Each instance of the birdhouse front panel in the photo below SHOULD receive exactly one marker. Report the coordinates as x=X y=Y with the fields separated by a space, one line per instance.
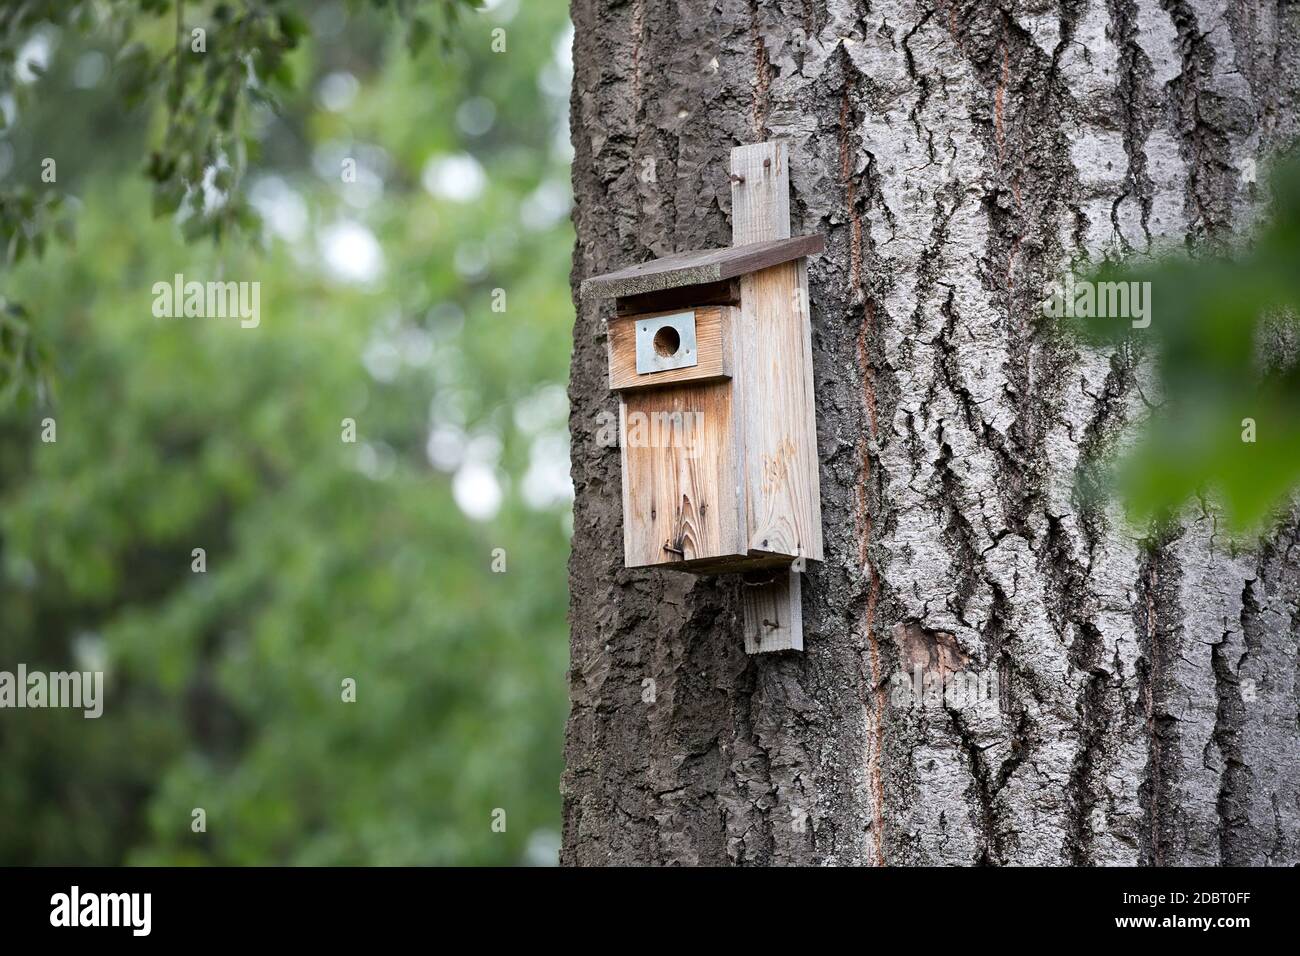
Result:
x=654 y=349
x=683 y=491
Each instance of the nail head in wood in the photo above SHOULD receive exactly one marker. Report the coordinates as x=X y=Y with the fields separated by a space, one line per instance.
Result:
x=773 y=612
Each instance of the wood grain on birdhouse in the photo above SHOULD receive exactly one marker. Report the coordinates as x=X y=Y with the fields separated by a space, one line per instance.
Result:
x=775 y=397
x=682 y=487
x=714 y=348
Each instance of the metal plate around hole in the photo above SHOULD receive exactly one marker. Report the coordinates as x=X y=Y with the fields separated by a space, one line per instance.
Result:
x=648 y=358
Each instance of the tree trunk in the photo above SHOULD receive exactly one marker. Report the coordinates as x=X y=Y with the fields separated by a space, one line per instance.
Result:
x=956 y=156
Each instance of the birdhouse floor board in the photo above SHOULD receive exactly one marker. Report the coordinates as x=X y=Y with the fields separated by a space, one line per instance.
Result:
x=726 y=564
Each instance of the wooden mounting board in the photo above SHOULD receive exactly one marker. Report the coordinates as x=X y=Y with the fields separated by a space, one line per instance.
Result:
x=783 y=494
x=773 y=611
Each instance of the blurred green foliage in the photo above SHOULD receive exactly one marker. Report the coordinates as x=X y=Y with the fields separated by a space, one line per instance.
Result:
x=325 y=559
x=210 y=91
x=1225 y=346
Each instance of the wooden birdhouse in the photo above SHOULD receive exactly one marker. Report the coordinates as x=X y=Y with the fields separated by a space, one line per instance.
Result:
x=711 y=355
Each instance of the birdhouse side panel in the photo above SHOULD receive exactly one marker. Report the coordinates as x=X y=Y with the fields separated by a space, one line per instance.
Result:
x=775 y=401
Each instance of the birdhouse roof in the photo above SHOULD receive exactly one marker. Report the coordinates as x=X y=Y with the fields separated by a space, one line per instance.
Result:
x=699 y=267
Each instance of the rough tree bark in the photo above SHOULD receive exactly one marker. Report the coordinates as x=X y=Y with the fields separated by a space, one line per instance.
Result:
x=956 y=155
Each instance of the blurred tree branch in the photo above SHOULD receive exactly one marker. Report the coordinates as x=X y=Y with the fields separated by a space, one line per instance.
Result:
x=205 y=84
